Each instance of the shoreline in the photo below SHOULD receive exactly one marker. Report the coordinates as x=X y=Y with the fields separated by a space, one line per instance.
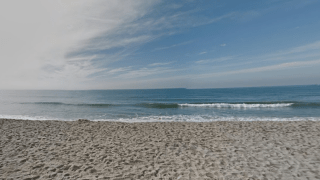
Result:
x=83 y=149
x=180 y=119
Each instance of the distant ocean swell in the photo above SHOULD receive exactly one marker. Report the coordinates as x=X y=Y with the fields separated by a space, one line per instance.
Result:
x=243 y=105
x=69 y=104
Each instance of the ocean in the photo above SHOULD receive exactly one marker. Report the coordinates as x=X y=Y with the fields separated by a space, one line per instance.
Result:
x=285 y=103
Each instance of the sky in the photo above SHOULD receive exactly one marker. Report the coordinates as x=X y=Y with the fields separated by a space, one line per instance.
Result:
x=138 y=44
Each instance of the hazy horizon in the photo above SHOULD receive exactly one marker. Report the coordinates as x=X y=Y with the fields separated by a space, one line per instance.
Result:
x=293 y=85
x=158 y=44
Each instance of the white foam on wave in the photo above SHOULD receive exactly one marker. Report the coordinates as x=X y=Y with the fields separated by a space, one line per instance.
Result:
x=172 y=118
x=243 y=105
x=202 y=118
x=26 y=117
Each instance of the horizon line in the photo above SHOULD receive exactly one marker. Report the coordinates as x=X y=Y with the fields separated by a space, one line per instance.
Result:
x=155 y=88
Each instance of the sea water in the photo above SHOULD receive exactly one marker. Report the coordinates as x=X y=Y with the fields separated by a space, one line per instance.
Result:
x=286 y=103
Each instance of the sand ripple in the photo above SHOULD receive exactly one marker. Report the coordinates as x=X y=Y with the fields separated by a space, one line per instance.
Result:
x=111 y=150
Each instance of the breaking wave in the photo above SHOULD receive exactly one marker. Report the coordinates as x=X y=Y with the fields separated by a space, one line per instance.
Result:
x=173 y=118
x=239 y=105
x=242 y=105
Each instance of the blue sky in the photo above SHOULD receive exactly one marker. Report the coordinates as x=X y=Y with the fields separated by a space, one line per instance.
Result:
x=130 y=44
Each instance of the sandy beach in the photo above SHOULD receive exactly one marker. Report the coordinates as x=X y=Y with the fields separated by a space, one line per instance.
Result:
x=112 y=150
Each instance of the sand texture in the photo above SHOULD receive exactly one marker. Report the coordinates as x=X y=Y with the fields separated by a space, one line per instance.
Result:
x=112 y=150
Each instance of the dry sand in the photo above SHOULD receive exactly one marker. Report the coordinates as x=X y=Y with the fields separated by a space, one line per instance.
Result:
x=113 y=150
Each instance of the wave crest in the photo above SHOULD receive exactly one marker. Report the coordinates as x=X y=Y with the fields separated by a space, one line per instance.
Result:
x=172 y=118
x=239 y=105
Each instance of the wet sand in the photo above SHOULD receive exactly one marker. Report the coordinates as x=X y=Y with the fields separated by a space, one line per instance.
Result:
x=112 y=150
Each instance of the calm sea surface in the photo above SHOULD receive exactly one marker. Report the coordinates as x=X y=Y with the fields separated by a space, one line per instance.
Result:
x=286 y=103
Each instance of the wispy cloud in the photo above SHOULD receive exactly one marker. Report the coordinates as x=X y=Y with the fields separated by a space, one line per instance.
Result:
x=62 y=37
x=172 y=46
x=304 y=52
x=216 y=19
x=172 y=22
x=66 y=37
x=144 y=72
x=263 y=68
x=296 y=57
x=160 y=64
x=204 y=52
x=105 y=43
x=300 y=49
x=133 y=72
x=65 y=44
x=119 y=70
x=205 y=61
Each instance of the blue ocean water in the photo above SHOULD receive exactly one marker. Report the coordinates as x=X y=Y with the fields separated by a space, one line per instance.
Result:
x=286 y=103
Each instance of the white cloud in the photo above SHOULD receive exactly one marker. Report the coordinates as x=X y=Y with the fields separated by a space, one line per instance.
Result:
x=222 y=45
x=40 y=34
x=57 y=44
x=63 y=44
